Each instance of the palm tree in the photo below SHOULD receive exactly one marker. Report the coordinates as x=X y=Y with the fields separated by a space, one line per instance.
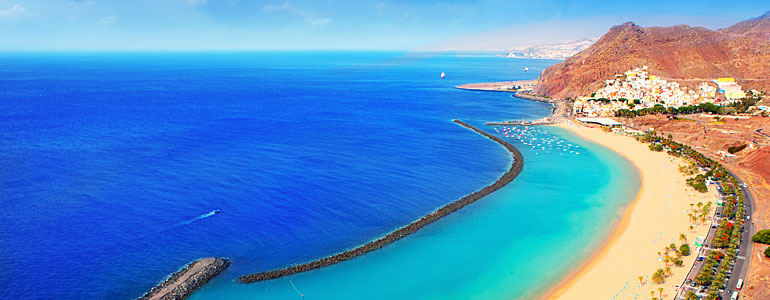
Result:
x=668 y=271
x=660 y=292
x=693 y=218
x=641 y=278
x=652 y=293
x=682 y=237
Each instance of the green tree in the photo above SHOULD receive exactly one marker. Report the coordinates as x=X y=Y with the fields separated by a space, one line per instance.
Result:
x=691 y=296
x=659 y=276
x=685 y=249
x=683 y=237
x=767 y=252
x=660 y=292
x=762 y=236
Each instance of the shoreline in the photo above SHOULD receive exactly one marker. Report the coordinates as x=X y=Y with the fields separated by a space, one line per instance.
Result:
x=595 y=276
x=517 y=164
x=603 y=246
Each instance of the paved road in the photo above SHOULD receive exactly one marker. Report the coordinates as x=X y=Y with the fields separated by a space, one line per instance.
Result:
x=741 y=268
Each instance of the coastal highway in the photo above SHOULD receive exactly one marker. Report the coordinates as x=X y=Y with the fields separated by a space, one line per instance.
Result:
x=741 y=268
x=746 y=249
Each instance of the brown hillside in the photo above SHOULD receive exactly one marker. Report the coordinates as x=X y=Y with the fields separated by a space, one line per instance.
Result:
x=679 y=52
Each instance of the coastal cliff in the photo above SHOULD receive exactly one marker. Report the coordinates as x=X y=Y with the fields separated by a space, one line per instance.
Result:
x=677 y=52
x=185 y=281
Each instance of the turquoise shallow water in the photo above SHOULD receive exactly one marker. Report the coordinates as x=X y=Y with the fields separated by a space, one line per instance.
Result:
x=514 y=244
x=111 y=160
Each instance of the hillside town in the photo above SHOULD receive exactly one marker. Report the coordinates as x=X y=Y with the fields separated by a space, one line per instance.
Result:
x=560 y=50
x=638 y=89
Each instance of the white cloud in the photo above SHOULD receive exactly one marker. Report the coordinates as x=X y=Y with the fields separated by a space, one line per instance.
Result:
x=317 y=22
x=196 y=2
x=15 y=11
x=108 y=20
x=82 y=3
x=310 y=18
x=275 y=7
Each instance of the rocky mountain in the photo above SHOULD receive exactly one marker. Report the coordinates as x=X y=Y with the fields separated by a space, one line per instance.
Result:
x=677 y=52
x=559 y=50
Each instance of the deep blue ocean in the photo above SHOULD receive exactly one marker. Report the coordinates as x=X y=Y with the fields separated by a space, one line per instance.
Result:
x=110 y=162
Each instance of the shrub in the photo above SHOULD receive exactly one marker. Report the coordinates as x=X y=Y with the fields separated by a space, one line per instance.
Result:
x=763 y=236
x=698 y=183
x=684 y=249
x=767 y=252
x=735 y=149
x=678 y=262
x=656 y=147
x=659 y=276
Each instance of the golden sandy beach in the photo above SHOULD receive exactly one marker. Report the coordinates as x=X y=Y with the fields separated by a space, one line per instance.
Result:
x=653 y=221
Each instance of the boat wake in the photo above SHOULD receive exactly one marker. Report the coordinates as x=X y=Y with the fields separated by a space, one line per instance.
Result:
x=203 y=216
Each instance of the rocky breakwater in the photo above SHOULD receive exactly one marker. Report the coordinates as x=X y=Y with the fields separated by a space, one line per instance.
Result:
x=508 y=176
x=185 y=281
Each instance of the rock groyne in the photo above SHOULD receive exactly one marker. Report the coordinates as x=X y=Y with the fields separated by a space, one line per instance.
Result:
x=508 y=176
x=185 y=281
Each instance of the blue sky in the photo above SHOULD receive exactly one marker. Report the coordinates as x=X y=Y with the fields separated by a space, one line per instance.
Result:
x=50 y=25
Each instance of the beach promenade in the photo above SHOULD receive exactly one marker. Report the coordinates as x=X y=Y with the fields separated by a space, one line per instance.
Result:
x=655 y=219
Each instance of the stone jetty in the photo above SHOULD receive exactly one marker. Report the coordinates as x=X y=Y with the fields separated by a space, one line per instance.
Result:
x=185 y=281
x=508 y=176
x=502 y=86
